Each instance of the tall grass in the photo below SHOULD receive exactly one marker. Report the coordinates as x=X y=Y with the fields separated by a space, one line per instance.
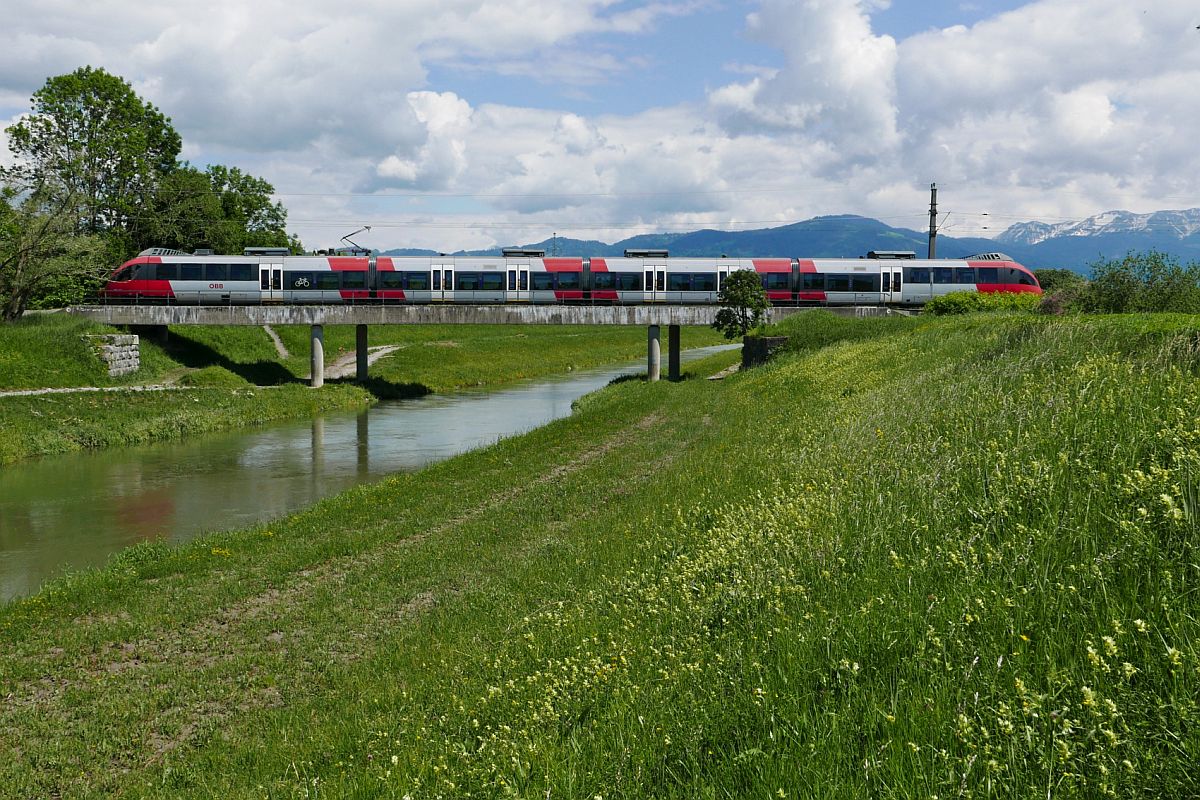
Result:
x=951 y=558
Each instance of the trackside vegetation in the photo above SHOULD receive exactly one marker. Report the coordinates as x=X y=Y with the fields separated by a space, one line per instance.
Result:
x=956 y=557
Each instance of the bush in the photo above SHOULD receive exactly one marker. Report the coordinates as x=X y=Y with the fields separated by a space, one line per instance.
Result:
x=972 y=302
x=1143 y=282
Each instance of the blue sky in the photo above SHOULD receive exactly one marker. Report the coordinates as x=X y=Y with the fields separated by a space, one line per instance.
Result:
x=470 y=123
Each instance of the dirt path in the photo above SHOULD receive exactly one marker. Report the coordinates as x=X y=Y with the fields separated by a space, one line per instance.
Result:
x=347 y=364
x=280 y=347
x=157 y=387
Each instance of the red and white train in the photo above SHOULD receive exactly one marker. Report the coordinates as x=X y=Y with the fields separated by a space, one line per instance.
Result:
x=267 y=275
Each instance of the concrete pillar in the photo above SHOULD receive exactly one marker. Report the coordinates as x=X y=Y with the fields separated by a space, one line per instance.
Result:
x=318 y=356
x=653 y=354
x=360 y=350
x=673 y=352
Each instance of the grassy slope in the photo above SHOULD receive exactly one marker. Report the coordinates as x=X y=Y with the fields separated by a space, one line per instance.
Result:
x=945 y=558
x=48 y=351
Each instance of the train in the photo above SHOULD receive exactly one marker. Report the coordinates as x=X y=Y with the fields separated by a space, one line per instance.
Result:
x=274 y=276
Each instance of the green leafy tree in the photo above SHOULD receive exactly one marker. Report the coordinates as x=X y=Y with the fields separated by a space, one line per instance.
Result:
x=43 y=261
x=92 y=140
x=1143 y=282
x=220 y=208
x=744 y=304
x=1055 y=280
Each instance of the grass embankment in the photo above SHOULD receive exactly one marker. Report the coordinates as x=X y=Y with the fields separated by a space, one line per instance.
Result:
x=430 y=358
x=220 y=366
x=949 y=558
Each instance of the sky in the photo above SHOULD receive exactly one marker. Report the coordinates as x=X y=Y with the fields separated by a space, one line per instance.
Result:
x=461 y=124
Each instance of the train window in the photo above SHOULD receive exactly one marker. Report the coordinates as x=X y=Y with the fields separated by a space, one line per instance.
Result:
x=241 y=272
x=604 y=280
x=989 y=275
x=704 y=282
x=543 y=281
x=417 y=280
x=896 y=281
x=328 y=280
x=492 y=281
x=568 y=280
x=1025 y=279
x=216 y=272
x=964 y=274
x=916 y=274
x=812 y=282
x=391 y=280
x=191 y=272
x=123 y=274
x=943 y=274
x=629 y=281
x=778 y=281
x=679 y=282
x=300 y=280
x=524 y=282
x=837 y=283
x=864 y=283
x=512 y=280
x=468 y=282
x=167 y=272
x=649 y=281
x=437 y=280
x=354 y=280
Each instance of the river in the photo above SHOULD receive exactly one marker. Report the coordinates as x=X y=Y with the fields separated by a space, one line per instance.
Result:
x=72 y=512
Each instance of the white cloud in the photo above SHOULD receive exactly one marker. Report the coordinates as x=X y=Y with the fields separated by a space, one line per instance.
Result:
x=1058 y=108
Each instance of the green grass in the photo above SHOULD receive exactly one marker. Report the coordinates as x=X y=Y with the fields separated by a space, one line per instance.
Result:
x=48 y=424
x=48 y=351
x=943 y=557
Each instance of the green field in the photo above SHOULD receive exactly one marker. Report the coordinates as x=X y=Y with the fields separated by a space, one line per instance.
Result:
x=914 y=558
x=214 y=373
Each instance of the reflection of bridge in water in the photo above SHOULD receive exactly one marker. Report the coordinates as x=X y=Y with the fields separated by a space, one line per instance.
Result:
x=155 y=318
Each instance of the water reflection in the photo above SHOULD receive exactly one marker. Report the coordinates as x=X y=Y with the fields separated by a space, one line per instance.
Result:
x=73 y=511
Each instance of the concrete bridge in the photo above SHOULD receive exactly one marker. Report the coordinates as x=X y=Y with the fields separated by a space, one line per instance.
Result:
x=155 y=318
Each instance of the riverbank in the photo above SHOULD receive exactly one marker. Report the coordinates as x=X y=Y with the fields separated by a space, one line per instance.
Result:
x=219 y=369
x=954 y=556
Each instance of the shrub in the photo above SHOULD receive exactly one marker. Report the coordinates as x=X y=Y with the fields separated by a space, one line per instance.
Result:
x=972 y=302
x=1143 y=282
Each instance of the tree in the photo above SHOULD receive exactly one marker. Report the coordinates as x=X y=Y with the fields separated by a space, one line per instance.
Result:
x=1143 y=282
x=40 y=252
x=744 y=304
x=91 y=139
x=1054 y=280
x=221 y=208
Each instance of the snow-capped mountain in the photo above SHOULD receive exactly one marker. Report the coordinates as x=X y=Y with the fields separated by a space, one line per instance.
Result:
x=1168 y=224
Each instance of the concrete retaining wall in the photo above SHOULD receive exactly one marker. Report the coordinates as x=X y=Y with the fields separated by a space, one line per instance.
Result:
x=122 y=353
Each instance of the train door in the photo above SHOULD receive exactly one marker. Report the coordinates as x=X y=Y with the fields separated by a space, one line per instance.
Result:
x=270 y=281
x=889 y=289
x=656 y=282
x=443 y=282
x=518 y=283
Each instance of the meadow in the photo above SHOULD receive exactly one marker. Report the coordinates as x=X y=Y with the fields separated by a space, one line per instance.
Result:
x=911 y=558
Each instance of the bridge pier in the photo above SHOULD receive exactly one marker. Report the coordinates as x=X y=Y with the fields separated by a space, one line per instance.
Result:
x=360 y=352
x=653 y=353
x=673 y=352
x=317 y=340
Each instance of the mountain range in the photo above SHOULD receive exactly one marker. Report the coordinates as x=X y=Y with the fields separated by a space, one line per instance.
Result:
x=1075 y=246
